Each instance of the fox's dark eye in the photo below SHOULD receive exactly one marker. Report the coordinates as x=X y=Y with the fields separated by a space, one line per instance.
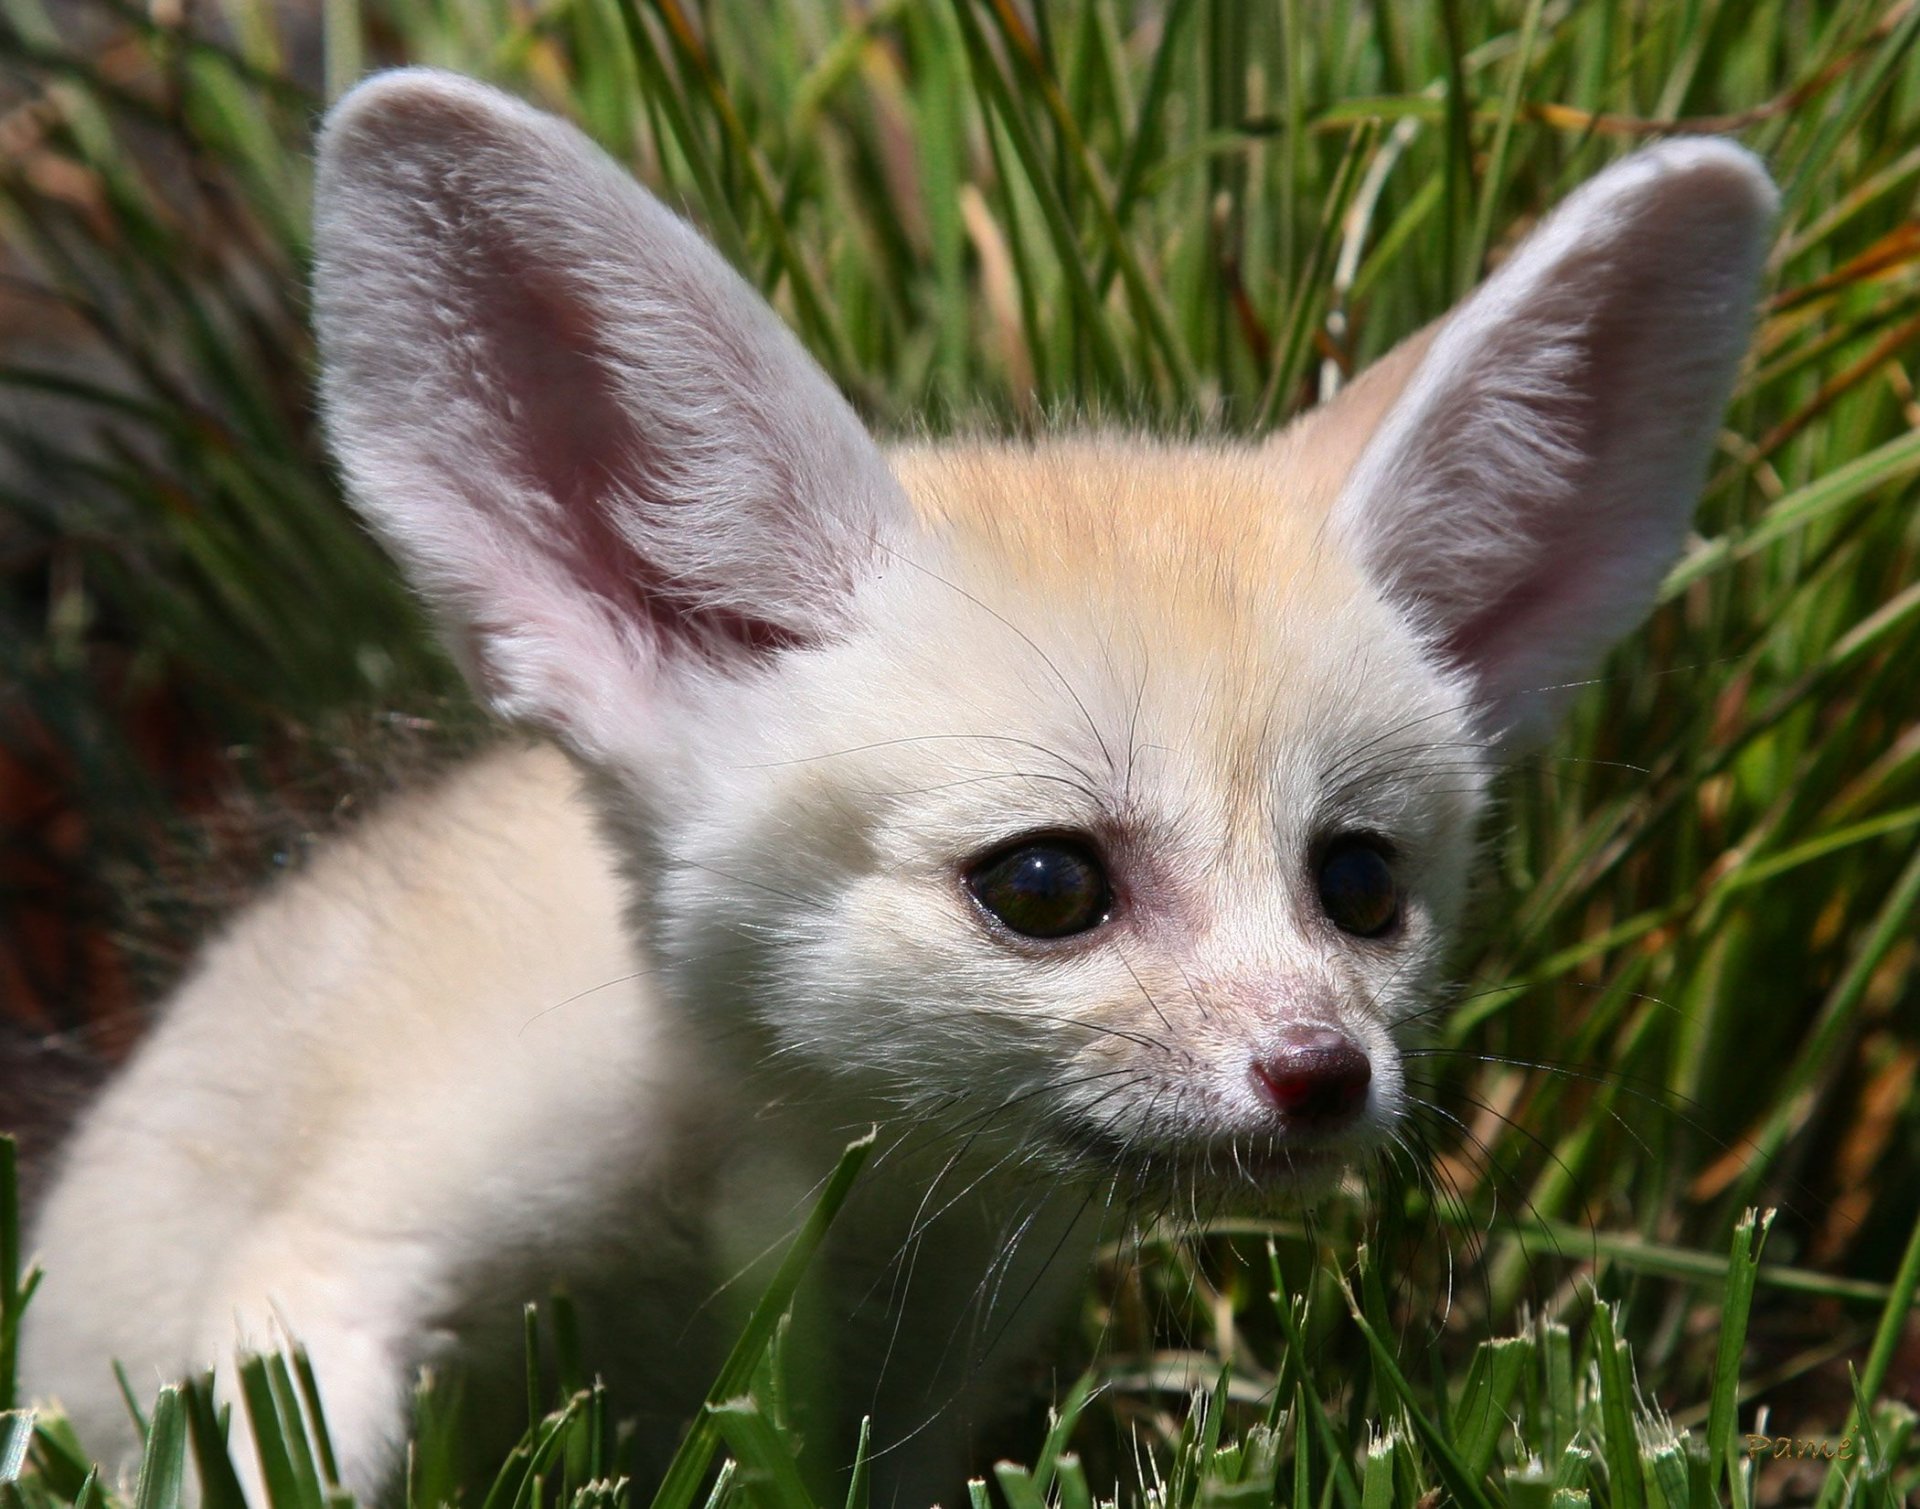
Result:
x=1357 y=888
x=1044 y=887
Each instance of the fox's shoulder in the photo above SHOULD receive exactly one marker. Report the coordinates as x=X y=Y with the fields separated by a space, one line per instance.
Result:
x=486 y=893
x=510 y=814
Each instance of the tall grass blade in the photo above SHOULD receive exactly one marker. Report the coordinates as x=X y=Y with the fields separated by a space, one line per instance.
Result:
x=682 y=1480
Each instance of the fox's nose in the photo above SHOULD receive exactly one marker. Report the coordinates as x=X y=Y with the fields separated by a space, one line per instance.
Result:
x=1315 y=1076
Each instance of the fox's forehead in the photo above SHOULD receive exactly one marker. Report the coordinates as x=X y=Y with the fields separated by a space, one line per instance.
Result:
x=1200 y=532
x=1110 y=628
x=1212 y=534
x=1199 y=583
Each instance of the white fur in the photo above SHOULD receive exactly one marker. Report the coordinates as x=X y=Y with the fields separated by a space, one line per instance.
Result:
x=508 y=1035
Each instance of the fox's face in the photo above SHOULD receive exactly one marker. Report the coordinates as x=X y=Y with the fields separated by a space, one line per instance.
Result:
x=1114 y=794
x=1125 y=819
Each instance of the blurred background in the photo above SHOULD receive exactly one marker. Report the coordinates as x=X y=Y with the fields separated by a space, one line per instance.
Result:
x=1696 y=982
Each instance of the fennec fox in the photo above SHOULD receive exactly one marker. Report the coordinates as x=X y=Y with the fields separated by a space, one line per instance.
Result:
x=1092 y=814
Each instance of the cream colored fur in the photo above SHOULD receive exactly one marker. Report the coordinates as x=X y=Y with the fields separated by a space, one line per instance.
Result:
x=602 y=1018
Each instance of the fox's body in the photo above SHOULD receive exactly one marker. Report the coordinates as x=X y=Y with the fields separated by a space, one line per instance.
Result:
x=1092 y=815
x=471 y=1060
x=398 y=1016
x=479 y=1098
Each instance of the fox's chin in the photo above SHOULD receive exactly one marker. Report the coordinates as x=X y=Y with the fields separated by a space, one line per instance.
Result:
x=1249 y=1175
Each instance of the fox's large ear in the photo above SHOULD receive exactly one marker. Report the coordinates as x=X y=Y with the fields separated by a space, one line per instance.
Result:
x=1531 y=483
x=597 y=452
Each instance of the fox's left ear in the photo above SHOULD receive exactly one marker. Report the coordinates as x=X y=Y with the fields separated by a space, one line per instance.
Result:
x=1532 y=482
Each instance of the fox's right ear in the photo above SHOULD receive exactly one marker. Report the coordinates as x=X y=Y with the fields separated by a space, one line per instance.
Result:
x=1537 y=454
x=598 y=454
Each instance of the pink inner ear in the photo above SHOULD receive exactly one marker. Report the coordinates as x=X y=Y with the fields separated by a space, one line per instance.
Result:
x=1635 y=418
x=553 y=393
x=1523 y=497
x=1545 y=562
x=600 y=456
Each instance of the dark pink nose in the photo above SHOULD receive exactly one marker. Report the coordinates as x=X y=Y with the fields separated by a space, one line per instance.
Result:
x=1315 y=1076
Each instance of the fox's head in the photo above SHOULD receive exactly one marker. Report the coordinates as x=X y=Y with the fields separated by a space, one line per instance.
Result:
x=1119 y=791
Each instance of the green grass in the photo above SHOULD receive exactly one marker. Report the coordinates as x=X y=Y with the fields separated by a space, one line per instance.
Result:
x=1551 y=1415
x=1697 y=986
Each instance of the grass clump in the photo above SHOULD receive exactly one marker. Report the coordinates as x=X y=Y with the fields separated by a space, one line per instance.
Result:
x=1552 y=1415
x=1698 y=987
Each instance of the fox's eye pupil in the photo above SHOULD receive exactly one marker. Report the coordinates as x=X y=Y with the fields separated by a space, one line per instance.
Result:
x=1357 y=888
x=1046 y=888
